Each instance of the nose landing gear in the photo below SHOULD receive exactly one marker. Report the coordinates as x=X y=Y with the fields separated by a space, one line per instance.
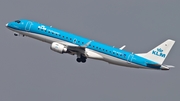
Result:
x=17 y=34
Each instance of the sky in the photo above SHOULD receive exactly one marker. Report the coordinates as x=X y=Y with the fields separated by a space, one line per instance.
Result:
x=30 y=71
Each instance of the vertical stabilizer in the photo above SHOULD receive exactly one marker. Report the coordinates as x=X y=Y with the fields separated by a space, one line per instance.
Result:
x=159 y=53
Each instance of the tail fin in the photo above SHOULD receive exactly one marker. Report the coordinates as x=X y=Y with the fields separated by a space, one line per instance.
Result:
x=159 y=53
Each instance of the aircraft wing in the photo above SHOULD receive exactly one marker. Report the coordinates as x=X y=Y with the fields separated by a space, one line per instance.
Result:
x=75 y=48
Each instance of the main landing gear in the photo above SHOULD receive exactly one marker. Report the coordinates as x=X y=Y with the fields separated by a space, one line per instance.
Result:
x=81 y=59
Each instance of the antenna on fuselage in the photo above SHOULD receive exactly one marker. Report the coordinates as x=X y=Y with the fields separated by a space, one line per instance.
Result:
x=122 y=47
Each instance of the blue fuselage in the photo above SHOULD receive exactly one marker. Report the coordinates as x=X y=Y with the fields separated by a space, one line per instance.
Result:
x=27 y=26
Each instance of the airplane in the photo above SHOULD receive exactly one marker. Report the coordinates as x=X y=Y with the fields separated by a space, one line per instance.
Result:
x=65 y=42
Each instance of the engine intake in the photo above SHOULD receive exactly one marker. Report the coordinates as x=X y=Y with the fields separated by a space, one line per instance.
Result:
x=58 y=47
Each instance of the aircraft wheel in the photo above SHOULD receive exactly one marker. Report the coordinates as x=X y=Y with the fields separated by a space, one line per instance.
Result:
x=84 y=60
x=78 y=59
x=15 y=34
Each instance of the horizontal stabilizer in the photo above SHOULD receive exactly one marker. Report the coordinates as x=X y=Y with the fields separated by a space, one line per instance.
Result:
x=169 y=66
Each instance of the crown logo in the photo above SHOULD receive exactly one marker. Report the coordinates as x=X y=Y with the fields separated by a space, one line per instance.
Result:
x=159 y=50
x=42 y=27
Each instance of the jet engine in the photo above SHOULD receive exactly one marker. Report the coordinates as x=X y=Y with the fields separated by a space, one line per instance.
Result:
x=58 y=47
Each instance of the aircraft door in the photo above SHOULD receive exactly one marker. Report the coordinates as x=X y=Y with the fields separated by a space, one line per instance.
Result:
x=130 y=58
x=28 y=26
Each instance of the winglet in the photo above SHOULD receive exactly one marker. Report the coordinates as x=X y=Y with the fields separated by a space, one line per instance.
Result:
x=87 y=44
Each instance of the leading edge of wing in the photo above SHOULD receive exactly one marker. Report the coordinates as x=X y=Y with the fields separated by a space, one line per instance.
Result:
x=76 y=48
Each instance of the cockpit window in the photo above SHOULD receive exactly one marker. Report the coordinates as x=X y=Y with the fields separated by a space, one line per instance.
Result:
x=18 y=21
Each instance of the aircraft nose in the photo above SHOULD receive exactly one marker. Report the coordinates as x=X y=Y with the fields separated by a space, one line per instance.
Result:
x=6 y=24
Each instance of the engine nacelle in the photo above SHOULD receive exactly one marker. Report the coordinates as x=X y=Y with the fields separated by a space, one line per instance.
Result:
x=58 y=47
